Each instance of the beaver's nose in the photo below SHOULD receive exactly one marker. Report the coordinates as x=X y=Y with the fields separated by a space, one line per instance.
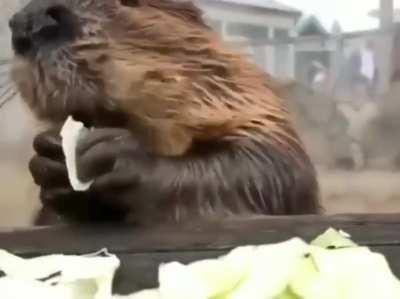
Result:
x=41 y=27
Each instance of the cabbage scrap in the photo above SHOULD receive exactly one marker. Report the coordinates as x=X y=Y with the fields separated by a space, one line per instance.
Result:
x=331 y=267
x=333 y=238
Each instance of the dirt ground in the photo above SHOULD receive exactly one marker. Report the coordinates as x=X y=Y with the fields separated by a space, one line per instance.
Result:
x=369 y=191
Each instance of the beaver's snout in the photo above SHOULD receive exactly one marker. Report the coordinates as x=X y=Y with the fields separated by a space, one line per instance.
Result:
x=42 y=26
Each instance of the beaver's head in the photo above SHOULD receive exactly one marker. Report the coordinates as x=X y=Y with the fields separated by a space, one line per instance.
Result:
x=79 y=55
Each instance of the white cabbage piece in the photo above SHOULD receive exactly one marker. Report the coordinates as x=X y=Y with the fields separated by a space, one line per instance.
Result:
x=261 y=272
x=71 y=132
x=347 y=273
x=272 y=267
x=58 y=276
x=333 y=238
x=287 y=270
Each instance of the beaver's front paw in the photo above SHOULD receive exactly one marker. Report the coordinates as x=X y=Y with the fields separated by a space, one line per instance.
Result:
x=122 y=173
x=50 y=174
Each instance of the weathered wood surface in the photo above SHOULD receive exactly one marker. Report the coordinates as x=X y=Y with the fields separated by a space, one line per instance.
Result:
x=142 y=250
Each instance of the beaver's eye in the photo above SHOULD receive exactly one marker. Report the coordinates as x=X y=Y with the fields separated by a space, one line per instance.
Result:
x=130 y=3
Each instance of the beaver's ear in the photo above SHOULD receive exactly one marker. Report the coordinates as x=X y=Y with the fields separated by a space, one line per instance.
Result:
x=130 y=3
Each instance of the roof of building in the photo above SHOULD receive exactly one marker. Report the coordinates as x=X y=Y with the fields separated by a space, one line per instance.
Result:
x=310 y=25
x=267 y=4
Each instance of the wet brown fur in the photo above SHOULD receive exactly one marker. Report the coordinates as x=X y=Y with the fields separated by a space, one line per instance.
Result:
x=157 y=69
x=175 y=78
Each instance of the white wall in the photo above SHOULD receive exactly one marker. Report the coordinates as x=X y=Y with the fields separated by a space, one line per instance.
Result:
x=225 y=14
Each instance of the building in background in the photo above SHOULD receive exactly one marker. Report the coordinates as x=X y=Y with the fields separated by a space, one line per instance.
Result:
x=253 y=22
x=313 y=47
x=396 y=15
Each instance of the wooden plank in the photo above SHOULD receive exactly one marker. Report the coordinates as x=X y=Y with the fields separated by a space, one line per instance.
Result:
x=365 y=229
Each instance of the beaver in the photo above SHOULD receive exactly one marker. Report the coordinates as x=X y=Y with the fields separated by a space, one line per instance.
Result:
x=185 y=128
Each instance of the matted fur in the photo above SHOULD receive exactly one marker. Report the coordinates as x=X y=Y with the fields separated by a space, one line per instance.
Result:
x=157 y=64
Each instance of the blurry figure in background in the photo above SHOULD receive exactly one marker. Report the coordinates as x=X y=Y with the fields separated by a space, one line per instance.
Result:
x=359 y=112
x=363 y=67
x=317 y=77
x=319 y=122
x=382 y=138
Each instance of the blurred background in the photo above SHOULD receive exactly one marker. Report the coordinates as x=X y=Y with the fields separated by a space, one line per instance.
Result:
x=337 y=63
